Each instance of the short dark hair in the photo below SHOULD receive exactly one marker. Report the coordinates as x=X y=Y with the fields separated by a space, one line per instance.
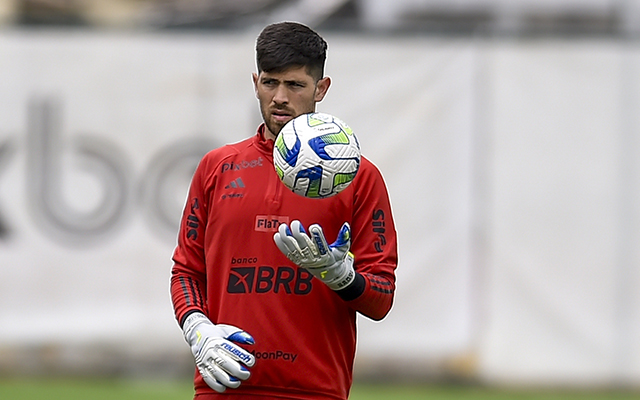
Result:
x=287 y=44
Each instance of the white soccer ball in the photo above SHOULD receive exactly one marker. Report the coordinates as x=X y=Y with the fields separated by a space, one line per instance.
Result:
x=316 y=155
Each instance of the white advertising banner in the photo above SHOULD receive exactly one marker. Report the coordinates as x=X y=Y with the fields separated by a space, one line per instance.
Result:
x=100 y=135
x=512 y=169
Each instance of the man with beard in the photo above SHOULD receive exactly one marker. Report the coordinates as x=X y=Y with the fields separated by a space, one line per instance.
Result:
x=258 y=323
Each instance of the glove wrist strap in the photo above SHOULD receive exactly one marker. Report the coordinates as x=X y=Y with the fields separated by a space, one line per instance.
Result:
x=192 y=321
x=347 y=277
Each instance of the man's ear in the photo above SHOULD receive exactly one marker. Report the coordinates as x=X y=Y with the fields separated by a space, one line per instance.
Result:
x=322 y=87
x=254 y=76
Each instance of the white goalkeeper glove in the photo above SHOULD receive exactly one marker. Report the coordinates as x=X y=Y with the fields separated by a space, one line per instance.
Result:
x=332 y=264
x=221 y=362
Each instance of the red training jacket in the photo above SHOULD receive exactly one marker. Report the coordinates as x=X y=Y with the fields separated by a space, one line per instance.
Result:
x=227 y=266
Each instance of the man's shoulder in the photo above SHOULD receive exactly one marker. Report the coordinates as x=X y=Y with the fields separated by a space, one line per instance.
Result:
x=368 y=167
x=228 y=150
x=369 y=175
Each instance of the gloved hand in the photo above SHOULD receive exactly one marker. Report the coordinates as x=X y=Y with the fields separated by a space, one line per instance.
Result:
x=332 y=264
x=221 y=363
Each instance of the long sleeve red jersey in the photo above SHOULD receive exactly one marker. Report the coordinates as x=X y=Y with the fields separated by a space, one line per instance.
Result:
x=227 y=266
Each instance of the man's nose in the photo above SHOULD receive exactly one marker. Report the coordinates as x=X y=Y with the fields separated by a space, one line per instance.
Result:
x=281 y=96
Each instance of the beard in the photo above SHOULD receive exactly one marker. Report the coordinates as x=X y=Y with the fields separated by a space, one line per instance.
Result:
x=275 y=126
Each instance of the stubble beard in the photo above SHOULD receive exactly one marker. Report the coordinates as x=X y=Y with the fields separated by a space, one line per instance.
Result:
x=275 y=127
x=272 y=126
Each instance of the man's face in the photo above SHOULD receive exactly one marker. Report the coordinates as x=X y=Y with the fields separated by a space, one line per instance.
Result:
x=285 y=95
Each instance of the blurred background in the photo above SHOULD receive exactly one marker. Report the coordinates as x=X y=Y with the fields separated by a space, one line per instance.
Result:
x=508 y=132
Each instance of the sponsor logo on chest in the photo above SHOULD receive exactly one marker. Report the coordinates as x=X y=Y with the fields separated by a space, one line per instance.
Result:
x=270 y=223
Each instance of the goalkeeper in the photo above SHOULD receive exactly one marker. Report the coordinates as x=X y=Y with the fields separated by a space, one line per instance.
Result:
x=266 y=284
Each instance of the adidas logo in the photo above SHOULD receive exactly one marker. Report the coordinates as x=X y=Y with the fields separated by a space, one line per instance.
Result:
x=235 y=184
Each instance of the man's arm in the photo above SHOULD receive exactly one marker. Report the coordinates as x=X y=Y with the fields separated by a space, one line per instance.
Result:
x=370 y=294
x=188 y=275
x=360 y=265
x=220 y=361
x=374 y=244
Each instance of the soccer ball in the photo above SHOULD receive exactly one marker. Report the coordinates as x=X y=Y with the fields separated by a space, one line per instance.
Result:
x=316 y=155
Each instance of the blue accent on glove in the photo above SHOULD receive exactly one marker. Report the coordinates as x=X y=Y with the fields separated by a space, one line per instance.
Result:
x=241 y=337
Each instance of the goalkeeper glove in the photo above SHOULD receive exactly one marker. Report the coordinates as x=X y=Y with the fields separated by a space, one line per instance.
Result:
x=332 y=264
x=221 y=363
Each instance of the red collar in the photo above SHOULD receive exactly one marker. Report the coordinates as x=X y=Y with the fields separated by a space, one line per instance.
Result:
x=263 y=144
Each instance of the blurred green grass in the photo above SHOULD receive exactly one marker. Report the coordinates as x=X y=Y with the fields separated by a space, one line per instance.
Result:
x=94 y=389
x=103 y=389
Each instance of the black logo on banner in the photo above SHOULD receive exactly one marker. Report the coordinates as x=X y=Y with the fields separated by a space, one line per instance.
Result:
x=87 y=211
